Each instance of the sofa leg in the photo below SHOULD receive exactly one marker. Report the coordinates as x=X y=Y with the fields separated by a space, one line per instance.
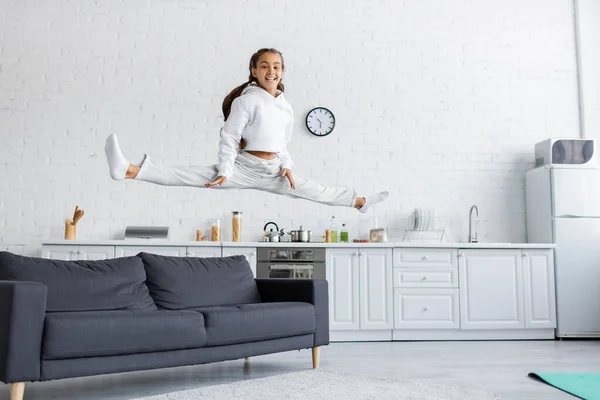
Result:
x=246 y=358
x=17 y=390
x=316 y=355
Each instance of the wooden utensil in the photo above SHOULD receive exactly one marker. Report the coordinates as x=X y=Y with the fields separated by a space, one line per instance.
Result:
x=78 y=215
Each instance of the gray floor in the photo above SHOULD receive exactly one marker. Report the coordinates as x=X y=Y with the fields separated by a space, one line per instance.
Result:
x=500 y=367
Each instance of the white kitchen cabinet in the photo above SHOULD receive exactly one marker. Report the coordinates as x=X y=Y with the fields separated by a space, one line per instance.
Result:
x=538 y=289
x=127 y=251
x=248 y=252
x=342 y=276
x=360 y=289
x=61 y=252
x=491 y=289
x=203 y=252
x=74 y=252
x=376 y=289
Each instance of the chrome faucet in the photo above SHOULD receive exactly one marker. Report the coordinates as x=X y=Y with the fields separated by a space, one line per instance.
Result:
x=472 y=238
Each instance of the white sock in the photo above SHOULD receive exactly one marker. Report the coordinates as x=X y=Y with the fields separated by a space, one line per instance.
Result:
x=372 y=200
x=117 y=163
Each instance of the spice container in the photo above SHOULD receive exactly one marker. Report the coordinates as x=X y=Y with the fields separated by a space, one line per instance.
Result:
x=215 y=231
x=236 y=226
x=344 y=234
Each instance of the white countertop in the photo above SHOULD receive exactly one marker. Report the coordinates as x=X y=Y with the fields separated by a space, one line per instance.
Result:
x=157 y=242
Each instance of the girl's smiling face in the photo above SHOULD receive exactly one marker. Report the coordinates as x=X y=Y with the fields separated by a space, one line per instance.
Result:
x=268 y=71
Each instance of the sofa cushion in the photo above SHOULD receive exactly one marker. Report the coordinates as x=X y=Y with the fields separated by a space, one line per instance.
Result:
x=110 y=333
x=114 y=284
x=177 y=283
x=255 y=322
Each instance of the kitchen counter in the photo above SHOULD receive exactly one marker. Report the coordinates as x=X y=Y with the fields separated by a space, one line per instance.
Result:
x=157 y=242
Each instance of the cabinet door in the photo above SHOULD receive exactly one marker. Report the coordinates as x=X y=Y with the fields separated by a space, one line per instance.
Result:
x=127 y=251
x=248 y=252
x=60 y=252
x=491 y=289
x=539 y=290
x=342 y=276
x=96 y=252
x=376 y=289
x=203 y=252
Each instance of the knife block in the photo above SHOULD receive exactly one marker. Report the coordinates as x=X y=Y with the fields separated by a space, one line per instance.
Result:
x=70 y=230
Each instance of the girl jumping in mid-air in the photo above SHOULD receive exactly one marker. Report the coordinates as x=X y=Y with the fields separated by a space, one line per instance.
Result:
x=252 y=150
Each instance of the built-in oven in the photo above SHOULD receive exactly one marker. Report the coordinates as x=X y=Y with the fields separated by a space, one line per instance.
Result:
x=291 y=263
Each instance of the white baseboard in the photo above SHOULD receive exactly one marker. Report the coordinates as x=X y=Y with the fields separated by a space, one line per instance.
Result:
x=440 y=334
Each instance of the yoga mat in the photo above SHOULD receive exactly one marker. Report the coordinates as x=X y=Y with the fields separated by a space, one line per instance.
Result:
x=583 y=385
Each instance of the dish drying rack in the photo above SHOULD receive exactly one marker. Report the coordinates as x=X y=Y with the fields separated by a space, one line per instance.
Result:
x=433 y=230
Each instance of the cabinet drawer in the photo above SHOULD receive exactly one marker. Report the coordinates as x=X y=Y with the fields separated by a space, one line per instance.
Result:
x=425 y=277
x=417 y=258
x=426 y=309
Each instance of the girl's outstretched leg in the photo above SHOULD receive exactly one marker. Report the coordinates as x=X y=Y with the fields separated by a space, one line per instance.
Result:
x=363 y=204
x=310 y=190
x=117 y=163
x=153 y=172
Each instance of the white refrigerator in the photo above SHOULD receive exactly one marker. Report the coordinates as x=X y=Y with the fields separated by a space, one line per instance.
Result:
x=563 y=207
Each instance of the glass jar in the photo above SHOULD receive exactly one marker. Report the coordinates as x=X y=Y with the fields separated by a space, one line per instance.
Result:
x=215 y=230
x=236 y=226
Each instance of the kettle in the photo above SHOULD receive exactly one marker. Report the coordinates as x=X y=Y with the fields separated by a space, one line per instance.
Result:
x=272 y=236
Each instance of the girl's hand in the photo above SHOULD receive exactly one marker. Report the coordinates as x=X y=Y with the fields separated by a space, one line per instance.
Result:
x=288 y=174
x=219 y=181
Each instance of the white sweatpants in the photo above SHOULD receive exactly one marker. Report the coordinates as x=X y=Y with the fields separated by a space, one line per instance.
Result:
x=249 y=172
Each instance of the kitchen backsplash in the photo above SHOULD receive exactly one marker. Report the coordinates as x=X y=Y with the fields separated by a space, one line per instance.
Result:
x=441 y=106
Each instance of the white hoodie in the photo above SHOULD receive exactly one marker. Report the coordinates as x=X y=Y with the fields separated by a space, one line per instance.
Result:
x=264 y=121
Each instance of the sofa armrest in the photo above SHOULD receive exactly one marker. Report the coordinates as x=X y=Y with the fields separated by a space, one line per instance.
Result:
x=313 y=291
x=22 y=314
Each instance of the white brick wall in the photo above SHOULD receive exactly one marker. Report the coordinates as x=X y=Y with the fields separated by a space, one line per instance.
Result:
x=440 y=102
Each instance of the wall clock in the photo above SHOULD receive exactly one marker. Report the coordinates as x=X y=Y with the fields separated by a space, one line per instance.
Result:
x=320 y=121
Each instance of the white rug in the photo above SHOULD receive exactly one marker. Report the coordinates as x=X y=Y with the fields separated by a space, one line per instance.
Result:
x=322 y=384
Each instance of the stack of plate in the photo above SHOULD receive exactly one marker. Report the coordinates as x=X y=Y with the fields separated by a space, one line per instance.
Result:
x=422 y=219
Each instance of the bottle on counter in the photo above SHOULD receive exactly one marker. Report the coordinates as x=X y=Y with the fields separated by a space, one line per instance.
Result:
x=344 y=234
x=334 y=230
x=215 y=230
x=236 y=226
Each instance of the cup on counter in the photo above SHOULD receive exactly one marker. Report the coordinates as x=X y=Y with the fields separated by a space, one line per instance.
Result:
x=70 y=230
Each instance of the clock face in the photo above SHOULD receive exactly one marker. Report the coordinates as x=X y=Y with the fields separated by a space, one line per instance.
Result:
x=320 y=121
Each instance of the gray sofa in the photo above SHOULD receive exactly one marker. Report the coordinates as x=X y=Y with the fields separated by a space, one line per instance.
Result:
x=62 y=319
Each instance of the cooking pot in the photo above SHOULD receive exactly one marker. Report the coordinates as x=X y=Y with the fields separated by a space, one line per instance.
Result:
x=300 y=235
x=272 y=236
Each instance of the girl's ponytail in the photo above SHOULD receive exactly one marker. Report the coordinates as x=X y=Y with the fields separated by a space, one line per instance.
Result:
x=234 y=94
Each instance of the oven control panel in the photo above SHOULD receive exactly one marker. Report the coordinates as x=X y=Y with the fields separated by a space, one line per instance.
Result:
x=291 y=254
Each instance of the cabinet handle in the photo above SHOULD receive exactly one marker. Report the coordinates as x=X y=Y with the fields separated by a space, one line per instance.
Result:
x=253 y=253
x=426 y=308
x=525 y=254
x=425 y=277
x=461 y=255
x=363 y=254
x=425 y=257
x=190 y=254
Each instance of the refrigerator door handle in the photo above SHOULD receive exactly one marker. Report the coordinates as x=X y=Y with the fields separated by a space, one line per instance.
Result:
x=575 y=216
